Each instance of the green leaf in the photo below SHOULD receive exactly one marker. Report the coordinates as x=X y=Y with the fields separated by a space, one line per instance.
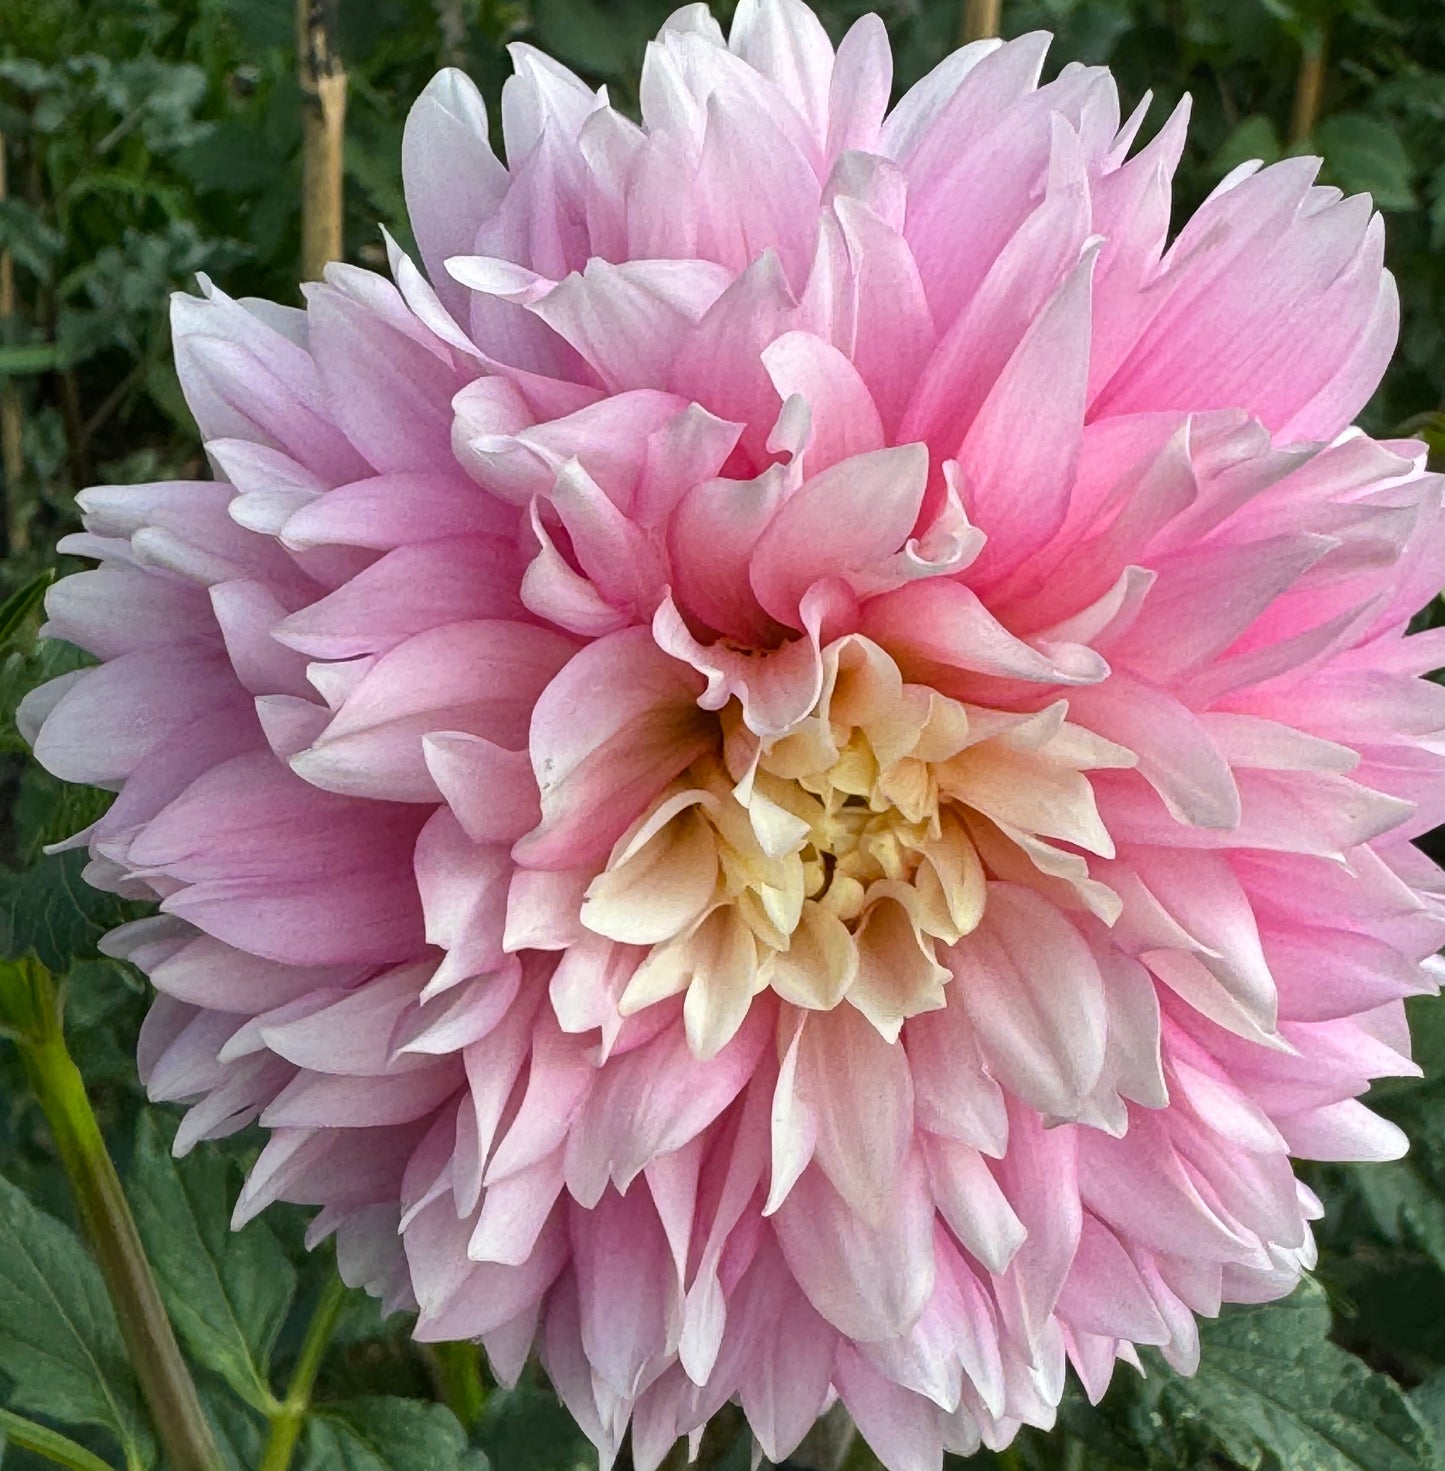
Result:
x=527 y=1429
x=105 y=1006
x=1406 y=1197
x=25 y=73
x=1365 y=155
x=240 y=1432
x=19 y=606
x=234 y=158
x=1253 y=137
x=59 y=1342
x=262 y=23
x=1272 y=1389
x=605 y=42
x=1429 y=1401
x=387 y=1434
x=1427 y=1030
x=1435 y=191
x=47 y=810
x=164 y=387
x=1405 y=1202
x=50 y=909
x=227 y=1292
x=27 y=237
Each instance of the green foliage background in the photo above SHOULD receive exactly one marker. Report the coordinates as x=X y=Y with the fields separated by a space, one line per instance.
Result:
x=150 y=139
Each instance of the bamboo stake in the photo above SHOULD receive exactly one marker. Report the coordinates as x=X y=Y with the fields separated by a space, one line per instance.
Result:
x=452 y=22
x=981 y=19
x=1309 y=87
x=17 y=529
x=323 y=98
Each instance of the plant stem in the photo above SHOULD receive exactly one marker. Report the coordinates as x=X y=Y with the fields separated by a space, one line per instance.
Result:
x=31 y=1007
x=323 y=107
x=981 y=19
x=459 y=1374
x=290 y=1415
x=51 y=1444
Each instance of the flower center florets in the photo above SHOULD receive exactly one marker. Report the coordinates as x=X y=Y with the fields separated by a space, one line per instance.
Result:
x=841 y=860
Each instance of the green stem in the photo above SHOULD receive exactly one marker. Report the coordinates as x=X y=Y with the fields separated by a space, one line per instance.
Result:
x=290 y=1415
x=30 y=1007
x=459 y=1373
x=42 y=1441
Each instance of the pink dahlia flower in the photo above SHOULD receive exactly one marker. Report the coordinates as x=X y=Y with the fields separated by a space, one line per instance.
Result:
x=790 y=774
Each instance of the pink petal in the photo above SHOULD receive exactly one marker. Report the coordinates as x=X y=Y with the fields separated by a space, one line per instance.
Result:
x=608 y=733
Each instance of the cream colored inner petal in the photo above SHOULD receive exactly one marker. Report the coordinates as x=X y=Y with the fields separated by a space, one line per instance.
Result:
x=833 y=863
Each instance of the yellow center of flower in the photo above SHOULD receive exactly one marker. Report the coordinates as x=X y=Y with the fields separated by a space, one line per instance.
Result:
x=841 y=861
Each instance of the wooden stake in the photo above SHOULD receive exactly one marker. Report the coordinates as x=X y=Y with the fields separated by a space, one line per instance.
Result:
x=1309 y=88
x=981 y=19
x=17 y=528
x=452 y=22
x=323 y=98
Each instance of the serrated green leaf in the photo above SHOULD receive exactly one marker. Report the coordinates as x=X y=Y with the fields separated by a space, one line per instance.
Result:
x=59 y=1342
x=387 y=1434
x=47 y=811
x=227 y=1291
x=1272 y=1389
x=50 y=909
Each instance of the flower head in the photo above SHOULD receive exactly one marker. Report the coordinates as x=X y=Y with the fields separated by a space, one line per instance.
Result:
x=791 y=775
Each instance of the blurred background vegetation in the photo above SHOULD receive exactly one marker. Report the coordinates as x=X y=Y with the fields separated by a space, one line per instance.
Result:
x=147 y=140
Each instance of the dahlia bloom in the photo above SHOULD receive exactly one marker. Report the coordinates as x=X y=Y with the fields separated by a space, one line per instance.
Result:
x=788 y=771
